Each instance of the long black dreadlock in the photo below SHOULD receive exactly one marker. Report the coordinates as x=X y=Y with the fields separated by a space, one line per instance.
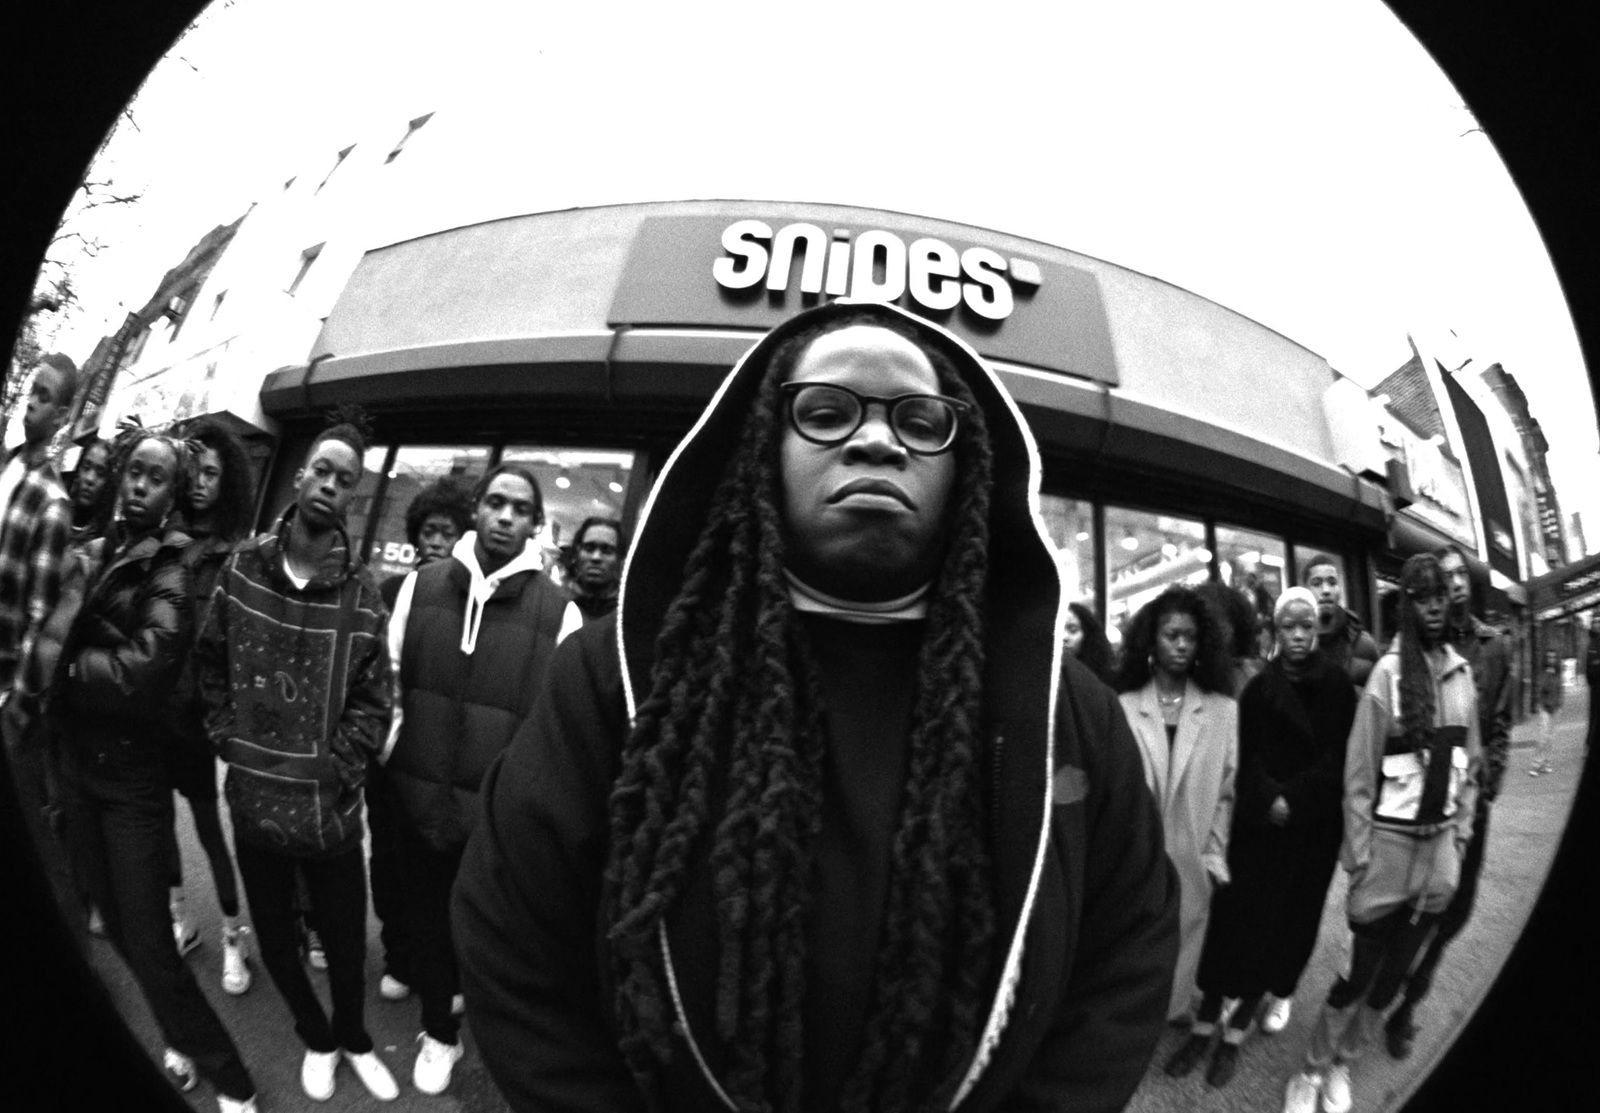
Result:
x=1420 y=577
x=731 y=738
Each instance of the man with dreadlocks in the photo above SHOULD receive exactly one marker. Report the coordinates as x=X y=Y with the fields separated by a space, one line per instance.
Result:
x=1410 y=786
x=822 y=818
x=295 y=676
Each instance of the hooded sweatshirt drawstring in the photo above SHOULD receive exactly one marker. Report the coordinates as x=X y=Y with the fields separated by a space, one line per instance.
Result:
x=481 y=588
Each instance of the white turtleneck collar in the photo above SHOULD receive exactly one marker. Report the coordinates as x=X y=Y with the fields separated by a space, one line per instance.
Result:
x=907 y=608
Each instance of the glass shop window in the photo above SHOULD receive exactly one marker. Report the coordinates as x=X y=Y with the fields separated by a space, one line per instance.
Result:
x=360 y=510
x=415 y=466
x=576 y=483
x=1070 y=523
x=1145 y=553
x=1256 y=564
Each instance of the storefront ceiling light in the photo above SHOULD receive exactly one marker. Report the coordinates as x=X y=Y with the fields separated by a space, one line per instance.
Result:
x=1169 y=550
x=1130 y=542
x=563 y=481
x=1083 y=535
x=616 y=488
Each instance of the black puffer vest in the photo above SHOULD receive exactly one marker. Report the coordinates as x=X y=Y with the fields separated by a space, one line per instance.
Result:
x=461 y=710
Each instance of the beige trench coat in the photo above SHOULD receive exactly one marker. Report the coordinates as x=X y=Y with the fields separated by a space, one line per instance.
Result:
x=1193 y=786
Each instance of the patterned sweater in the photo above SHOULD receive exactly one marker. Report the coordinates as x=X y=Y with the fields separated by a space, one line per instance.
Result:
x=296 y=684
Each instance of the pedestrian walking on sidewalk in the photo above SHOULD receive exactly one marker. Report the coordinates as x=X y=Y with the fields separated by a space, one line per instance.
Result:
x=125 y=648
x=1410 y=785
x=1549 y=698
x=295 y=675
x=1294 y=723
x=1487 y=651
x=1176 y=686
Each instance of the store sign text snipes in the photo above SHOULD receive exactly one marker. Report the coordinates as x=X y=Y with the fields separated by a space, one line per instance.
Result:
x=875 y=265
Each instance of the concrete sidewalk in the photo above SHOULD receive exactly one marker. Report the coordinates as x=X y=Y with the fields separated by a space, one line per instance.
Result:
x=1525 y=828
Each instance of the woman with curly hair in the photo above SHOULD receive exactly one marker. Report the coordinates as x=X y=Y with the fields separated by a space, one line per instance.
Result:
x=126 y=644
x=217 y=514
x=1084 y=638
x=1176 y=684
x=822 y=817
x=1410 y=786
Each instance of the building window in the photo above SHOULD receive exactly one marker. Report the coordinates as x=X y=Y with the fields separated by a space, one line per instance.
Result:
x=410 y=131
x=177 y=312
x=1146 y=553
x=216 y=304
x=307 y=257
x=576 y=483
x=337 y=162
x=1070 y=523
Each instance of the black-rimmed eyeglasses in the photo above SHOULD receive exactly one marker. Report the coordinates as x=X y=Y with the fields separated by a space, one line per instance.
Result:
x=822 y=413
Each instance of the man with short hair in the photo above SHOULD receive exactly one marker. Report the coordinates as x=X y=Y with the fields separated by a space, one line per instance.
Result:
x=1340 y=634
x=1486 y=650
x=34 y=534
x=470 y=640
x=295 y=677
x=597 y=552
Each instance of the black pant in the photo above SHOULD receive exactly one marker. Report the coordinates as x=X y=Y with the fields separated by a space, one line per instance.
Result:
x=429 y=874
x=339 y=892
x=1457 y=912
x=388 y=886
x=194 y=774
x=120 y=817
x=1381 y=953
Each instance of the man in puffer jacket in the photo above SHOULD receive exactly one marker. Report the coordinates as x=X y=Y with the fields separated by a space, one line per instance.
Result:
x=470 y=639
x=295 y=677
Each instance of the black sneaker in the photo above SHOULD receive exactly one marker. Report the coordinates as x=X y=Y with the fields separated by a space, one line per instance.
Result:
x=1224 y=1061
x=1400 y=1034
x=1188 y=1056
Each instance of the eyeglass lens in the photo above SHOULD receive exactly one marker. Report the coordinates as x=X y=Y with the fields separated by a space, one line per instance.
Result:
x=827 y=414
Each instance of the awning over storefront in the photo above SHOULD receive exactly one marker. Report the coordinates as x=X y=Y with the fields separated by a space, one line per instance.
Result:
x=1565 y=591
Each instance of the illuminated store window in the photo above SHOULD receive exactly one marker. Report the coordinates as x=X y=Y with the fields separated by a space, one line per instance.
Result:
x=576 y=483
x=360 y=509
x=415 y=466
x=1246 y=559
x=1144 y=553
x=1070 y=523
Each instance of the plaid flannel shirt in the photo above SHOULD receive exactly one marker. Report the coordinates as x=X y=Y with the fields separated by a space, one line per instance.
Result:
x=33 y=544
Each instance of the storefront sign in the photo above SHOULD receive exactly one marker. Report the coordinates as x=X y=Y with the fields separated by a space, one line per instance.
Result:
x=755 y=270
x=1437 y=481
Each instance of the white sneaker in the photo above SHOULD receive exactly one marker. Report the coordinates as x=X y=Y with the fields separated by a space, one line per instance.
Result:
x=316 y=1074
x=226 y=1104
x=392 y=988
x=180 y=1069
x=435 y=1061
x=1301 y=1096
x=1336 y=1090
x=374 y=1075
x=186 y=936
x=236 y=961
x=458 y=1005
x=1277 y=1015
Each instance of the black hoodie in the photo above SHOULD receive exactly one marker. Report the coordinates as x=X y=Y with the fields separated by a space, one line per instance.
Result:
x=1085 y=899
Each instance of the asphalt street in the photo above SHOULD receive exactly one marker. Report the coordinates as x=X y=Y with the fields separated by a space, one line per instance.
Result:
x=1526 y=826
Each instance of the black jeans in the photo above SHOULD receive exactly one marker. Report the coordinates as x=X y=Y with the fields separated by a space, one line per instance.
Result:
x=339 y=893
x=388 y=885
x=429 y=875
x=194 y=774
x=120 y=818
x=1457 y=912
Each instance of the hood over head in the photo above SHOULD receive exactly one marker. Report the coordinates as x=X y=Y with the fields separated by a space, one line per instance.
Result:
x=671 y=521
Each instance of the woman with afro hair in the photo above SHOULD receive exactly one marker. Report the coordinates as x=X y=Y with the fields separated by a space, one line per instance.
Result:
x=1176 y=686
x=822 y=817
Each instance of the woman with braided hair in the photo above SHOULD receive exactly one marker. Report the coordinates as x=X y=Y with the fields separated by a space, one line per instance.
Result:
x=127 y=643
x=1410 y=785
x=823 y=818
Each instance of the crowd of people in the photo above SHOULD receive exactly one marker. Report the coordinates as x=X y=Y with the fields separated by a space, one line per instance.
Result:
x=807 y=811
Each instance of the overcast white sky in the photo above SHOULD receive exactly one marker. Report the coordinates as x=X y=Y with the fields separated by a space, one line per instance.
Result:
x=1303 y=164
